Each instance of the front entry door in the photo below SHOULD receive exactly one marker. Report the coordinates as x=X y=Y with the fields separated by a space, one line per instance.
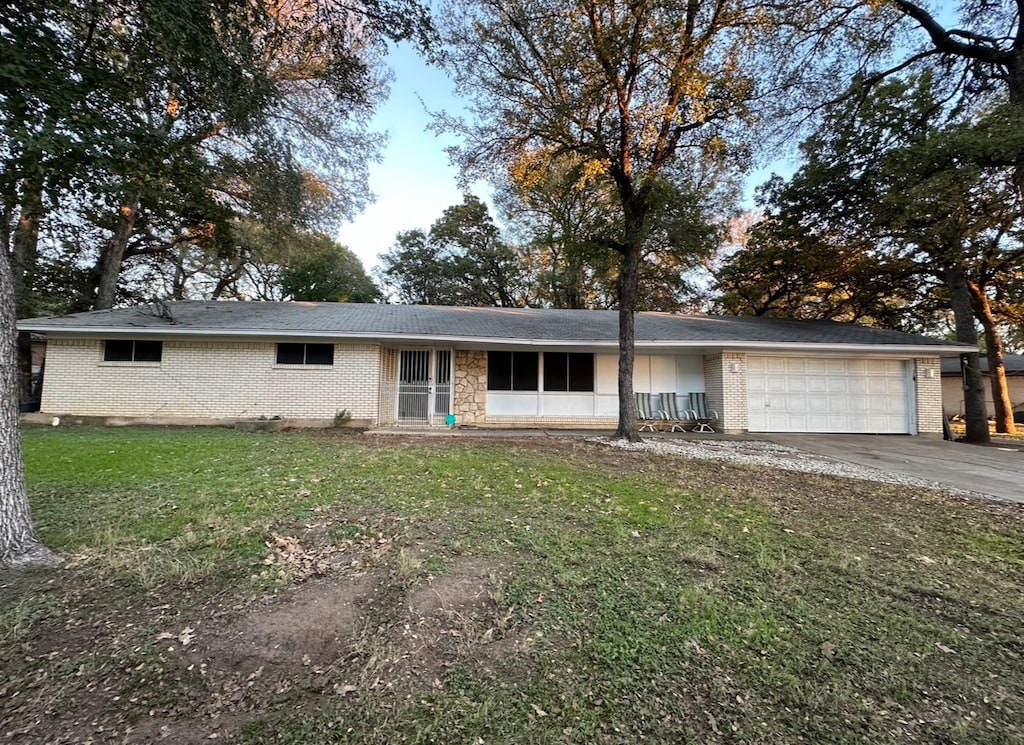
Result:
x=424 y=386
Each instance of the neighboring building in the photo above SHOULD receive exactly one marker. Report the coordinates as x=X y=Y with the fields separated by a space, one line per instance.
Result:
x=389 y=365
x=953 y=384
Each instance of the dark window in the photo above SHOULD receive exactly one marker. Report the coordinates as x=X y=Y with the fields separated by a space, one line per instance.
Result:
x=511 y=371
x=132 y=350
x=149 y=351
x=319 y=354
x=118 y=350
x=291 y=354
x=568 y=371
x=305 y=354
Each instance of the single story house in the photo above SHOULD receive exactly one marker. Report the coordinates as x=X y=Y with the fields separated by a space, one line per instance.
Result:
x=953 y=384
x=393 y=365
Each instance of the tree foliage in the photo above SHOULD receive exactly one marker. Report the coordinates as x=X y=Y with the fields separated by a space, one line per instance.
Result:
x=188 y=119
x=564 y=220
x=783 y=270
x=329 y=272
x=461 y=260
x=980 y=59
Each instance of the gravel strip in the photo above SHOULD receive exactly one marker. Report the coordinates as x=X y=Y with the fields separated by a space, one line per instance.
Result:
x=759 y=453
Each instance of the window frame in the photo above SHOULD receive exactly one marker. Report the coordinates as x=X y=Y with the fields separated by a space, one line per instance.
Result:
x=150 y=353
x=305 y=351
x=569 y=361
x=527 y=381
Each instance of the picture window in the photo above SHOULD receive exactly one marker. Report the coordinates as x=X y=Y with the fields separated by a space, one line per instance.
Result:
x=568 y=371
x=512 y=371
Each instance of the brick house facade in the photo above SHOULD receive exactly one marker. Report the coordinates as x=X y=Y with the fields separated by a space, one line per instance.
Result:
x=205 y=367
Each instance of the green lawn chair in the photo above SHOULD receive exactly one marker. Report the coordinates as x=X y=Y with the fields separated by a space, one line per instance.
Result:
x=645 y=413
x=668 y=404
x=702 y=414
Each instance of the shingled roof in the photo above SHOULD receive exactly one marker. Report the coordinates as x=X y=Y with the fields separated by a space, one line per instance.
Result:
x=437 y=324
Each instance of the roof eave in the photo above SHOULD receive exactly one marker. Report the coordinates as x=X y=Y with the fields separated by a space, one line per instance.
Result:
x=458 y=340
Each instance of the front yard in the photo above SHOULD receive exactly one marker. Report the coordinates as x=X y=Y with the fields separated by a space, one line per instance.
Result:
x=333 y=588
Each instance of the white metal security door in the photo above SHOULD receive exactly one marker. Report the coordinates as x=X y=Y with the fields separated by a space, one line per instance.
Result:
x=424 y=386
x=822 y=394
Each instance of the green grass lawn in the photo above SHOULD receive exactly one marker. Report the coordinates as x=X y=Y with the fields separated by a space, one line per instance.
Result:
x=521 y=591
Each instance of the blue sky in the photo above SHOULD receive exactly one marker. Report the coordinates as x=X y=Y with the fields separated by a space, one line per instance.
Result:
x=415 y=182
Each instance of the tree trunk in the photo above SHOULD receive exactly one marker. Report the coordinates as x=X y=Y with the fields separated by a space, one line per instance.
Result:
x=966 y=332
x=627 y=307
x=25 y=243
x=19 y=546
x=108 y=267
x=24 y=257
x=1015 y=86
x=996 y=367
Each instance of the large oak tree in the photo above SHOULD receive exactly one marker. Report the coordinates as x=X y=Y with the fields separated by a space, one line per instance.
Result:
x=632 y=90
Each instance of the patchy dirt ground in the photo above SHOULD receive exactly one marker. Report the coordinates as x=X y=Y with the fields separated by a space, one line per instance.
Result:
x=361 y=615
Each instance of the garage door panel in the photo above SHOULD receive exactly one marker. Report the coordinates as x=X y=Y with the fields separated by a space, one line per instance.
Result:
x=883 y=367
x=859 y=405
x=876 y=386
x=818 y=423
x=878 y=405
x=836 y=385
x=818 y=404
x=756 y=364
x=797 y=385
x=858 y=386
x=838 y=406
x=821 y=394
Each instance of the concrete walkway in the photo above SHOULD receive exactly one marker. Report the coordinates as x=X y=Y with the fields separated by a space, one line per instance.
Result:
x=994 y=471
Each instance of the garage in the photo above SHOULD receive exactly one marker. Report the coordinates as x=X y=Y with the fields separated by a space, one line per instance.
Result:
x=828 y=394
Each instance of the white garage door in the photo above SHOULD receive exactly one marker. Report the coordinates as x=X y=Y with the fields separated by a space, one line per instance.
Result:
x=801 y=394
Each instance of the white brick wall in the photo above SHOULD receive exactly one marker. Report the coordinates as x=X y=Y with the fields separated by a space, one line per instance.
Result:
x=234 y=380
x=725 y=379
x=928 y=395
x=214 y=379
x=389 y=359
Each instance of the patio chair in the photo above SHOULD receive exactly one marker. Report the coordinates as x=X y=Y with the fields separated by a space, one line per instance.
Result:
x=645 y=413
x=668 y=404
x=702 y=414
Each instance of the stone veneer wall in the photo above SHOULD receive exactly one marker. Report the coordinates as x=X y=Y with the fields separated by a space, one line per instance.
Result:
x=470 y=404
x=209 y=380
x=928 y=395
x=727 y=390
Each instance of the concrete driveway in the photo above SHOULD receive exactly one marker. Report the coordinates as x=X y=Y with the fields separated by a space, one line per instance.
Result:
x=995 y=471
